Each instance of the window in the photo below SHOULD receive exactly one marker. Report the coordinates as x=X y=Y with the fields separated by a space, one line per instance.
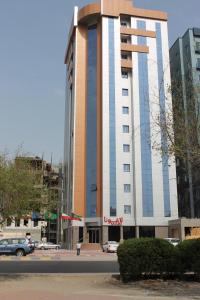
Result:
x=125 y=91
x=21 y=241
x=127 y=188
x=197 y=45
x=14 y=241
x=198 y=63
x=8 y=222
x=35 y=223
x=125 y=110
x=127 y=209
x=125 y=129
x=17 y=222
x=124 y=56
x=25 y=222
x=124 y=23
x=126 y=167
x=126 y=148
x=147 y=231
x=4 y=242
x=124 y=40
x=124 y=74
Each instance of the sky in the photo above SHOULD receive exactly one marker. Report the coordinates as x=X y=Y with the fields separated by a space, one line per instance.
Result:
x=33 y=36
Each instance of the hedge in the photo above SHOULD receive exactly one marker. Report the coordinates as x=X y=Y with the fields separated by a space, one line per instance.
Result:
x=149 y=256
x=144 y=257
x=188 y=256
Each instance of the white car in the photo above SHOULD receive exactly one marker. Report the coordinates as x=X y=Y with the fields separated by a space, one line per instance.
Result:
x=173 y=241
x=110 y=246
x=48 y=245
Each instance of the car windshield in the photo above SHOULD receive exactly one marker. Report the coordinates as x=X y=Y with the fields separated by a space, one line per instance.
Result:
x=112 y=242
x=4 y=242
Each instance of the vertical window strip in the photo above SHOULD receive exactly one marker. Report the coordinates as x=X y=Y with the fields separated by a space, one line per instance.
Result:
x=165 y=158
x=146 y=159
x=112 y=120
x=91 y=123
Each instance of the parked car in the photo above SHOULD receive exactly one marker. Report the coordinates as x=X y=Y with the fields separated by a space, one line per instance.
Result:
x=110 y=246
x=173 y=241
x=16 y=246
x=36 y=243
x=48 y=245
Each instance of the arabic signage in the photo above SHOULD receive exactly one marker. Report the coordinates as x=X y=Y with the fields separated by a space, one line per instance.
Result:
x=116 y=221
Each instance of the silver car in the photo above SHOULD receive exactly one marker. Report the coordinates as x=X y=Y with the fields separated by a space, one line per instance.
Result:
x=110 y=246
x=173 y=241
x=48 y=245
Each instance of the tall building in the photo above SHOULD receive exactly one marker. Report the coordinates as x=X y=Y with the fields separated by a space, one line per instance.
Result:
x=117 y=62
x=185 y=70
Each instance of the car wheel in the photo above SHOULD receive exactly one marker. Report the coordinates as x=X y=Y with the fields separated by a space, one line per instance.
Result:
x=42 y=248
x=57 y=248
x=20 y=252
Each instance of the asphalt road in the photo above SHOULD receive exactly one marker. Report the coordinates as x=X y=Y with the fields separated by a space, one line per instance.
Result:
x=10 y=267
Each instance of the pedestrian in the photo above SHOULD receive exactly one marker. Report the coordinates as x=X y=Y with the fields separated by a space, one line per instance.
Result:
x=78 y=248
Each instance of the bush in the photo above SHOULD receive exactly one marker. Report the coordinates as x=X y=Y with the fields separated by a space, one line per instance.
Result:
x=188 y=256
x=145 y=256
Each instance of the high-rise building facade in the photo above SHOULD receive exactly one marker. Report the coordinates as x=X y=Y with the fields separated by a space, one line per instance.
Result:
x=185 y=71
x=117 y=77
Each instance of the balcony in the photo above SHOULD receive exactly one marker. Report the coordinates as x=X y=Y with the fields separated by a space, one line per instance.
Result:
x=137 y=32
x=134 y=48
x=126 y=63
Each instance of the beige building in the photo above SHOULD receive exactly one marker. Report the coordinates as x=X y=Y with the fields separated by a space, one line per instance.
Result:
x=113 y=178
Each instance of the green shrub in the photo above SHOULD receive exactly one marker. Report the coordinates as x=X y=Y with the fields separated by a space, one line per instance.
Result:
x=145 y=256
x=188 y=256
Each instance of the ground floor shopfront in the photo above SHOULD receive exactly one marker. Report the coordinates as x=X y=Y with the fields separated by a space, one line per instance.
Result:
x=100 y=234
x=183 y=228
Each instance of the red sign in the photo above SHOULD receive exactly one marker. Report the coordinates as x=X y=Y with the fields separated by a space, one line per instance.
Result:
x=117 y=221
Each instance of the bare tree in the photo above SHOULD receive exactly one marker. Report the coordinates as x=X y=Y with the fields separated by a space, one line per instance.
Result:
x=179 y=126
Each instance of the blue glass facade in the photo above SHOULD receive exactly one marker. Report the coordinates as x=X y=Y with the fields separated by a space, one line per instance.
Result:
x=165 y=167
x=91 y=116
x=146 y=160
x=112 y=138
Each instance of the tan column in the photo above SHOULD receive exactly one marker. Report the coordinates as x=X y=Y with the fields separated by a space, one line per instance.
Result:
x=121 y=233
x=104 y=234
x=137 y=232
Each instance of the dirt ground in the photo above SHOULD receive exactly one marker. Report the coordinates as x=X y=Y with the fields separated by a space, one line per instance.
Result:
x=92 y=287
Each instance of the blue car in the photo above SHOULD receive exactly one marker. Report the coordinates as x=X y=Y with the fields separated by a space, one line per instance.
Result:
x=15 y=246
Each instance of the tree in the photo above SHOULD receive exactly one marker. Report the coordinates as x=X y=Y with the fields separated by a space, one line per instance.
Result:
x=18 y=194
x=179 y=126
x=179 y=123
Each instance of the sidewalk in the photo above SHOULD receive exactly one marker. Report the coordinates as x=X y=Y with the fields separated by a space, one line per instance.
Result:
x=90 y=287
x=59 y=255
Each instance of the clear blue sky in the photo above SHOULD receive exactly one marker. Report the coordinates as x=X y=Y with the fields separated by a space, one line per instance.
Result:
x=33 y=38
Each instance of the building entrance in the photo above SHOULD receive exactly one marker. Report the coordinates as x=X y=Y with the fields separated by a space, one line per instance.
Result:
x=94 y=234
x=114 y=233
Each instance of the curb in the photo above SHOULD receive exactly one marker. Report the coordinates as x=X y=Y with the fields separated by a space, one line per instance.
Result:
x=50 y=258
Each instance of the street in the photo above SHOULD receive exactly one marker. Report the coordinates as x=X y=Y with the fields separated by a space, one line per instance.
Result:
x=19 y=267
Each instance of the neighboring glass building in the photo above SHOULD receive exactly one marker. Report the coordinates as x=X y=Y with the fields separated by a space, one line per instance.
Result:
x=185 y=72
x=116 y=58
